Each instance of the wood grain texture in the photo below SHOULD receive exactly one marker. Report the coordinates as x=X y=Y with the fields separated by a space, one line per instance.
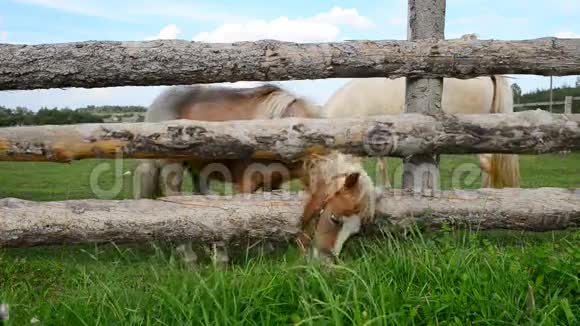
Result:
x=294 y=139
x=426 y=20
x=272 y=216
x=178 y=62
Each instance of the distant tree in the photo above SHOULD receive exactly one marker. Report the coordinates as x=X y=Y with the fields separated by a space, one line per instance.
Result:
x=22 y=117
x=577 y=83
x=543 y=95
x=517 y=90
x=112 y=109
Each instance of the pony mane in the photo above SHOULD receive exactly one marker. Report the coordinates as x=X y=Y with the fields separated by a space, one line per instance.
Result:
x=332 y=170
x=277 y=102
x=272 y=101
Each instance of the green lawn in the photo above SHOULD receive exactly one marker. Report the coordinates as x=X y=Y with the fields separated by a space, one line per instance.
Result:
x=57 y=181
x=448 y=278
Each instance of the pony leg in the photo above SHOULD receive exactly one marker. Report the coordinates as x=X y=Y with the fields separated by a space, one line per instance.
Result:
x=195 y=179
x=146 y=179
x=485 y=163
x=247 y=186
x=383 y=172
x=171 y=177
x=245 y=182
x=220 y=256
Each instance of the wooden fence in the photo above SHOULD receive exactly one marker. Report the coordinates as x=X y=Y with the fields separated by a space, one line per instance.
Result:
x=423 y=130
x=568 y=103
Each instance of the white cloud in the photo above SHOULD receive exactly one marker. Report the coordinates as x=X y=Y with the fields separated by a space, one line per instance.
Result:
x=282 y=29
x=567 y=35
x=340 y=16
x=324 y=27
x=168 y=32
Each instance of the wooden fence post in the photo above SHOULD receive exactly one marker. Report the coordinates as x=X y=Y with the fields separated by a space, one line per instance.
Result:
x=426 y=20
x=568 y=105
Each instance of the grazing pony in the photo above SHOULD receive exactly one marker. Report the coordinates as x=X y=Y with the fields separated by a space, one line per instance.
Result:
x=339 y=193
x=481 y=95
x=218 y=103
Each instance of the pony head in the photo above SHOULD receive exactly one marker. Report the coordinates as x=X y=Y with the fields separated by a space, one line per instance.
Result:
x=341 y=195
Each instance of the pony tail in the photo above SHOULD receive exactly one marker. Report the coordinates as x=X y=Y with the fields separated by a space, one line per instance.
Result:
x=503 y=170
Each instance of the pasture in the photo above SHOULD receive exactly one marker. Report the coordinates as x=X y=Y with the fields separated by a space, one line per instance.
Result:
x=422 y=277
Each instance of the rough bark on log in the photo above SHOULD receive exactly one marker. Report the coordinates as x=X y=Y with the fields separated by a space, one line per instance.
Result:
x=426 y=20
x=237 y=219
x=292 y=138
x=178 y=62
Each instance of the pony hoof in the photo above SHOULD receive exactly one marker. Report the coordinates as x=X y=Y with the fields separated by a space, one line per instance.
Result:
x=326 y=259
x=187 y=255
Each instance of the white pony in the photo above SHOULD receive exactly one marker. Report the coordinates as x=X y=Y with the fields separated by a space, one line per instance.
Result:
x=481 y=95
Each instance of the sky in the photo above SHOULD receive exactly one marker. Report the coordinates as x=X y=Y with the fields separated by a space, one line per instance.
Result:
x=57 y=21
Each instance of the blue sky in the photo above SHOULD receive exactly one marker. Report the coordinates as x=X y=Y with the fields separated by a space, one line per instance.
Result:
x=55 y=21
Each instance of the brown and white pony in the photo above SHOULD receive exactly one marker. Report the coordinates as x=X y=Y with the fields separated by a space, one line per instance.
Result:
x=482 y=95
x=339 y=193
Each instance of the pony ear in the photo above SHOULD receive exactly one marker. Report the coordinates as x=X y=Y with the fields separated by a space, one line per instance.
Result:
x=351 y=180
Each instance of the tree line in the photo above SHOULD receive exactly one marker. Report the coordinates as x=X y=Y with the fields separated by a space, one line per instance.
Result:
x=112 y=109
x=543 y=95
x=22 y=116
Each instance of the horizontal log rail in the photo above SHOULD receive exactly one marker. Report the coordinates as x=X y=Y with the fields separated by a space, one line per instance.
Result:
x=293 y=138
x=234 y=220
x=519 y=105
x=177 y=62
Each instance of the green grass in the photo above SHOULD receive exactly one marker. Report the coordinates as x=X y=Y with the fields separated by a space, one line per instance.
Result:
x=450 y=278
x=57 y=181
x=439 y=278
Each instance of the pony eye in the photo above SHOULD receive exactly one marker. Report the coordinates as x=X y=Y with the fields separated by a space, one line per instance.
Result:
x=335 y=219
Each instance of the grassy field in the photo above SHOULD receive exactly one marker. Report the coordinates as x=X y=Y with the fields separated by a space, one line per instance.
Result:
x=447 y=278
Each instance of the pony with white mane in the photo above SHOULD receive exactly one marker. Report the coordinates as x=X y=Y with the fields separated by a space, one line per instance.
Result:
x=336 y=183
x=339 y=192
x=481 y=95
